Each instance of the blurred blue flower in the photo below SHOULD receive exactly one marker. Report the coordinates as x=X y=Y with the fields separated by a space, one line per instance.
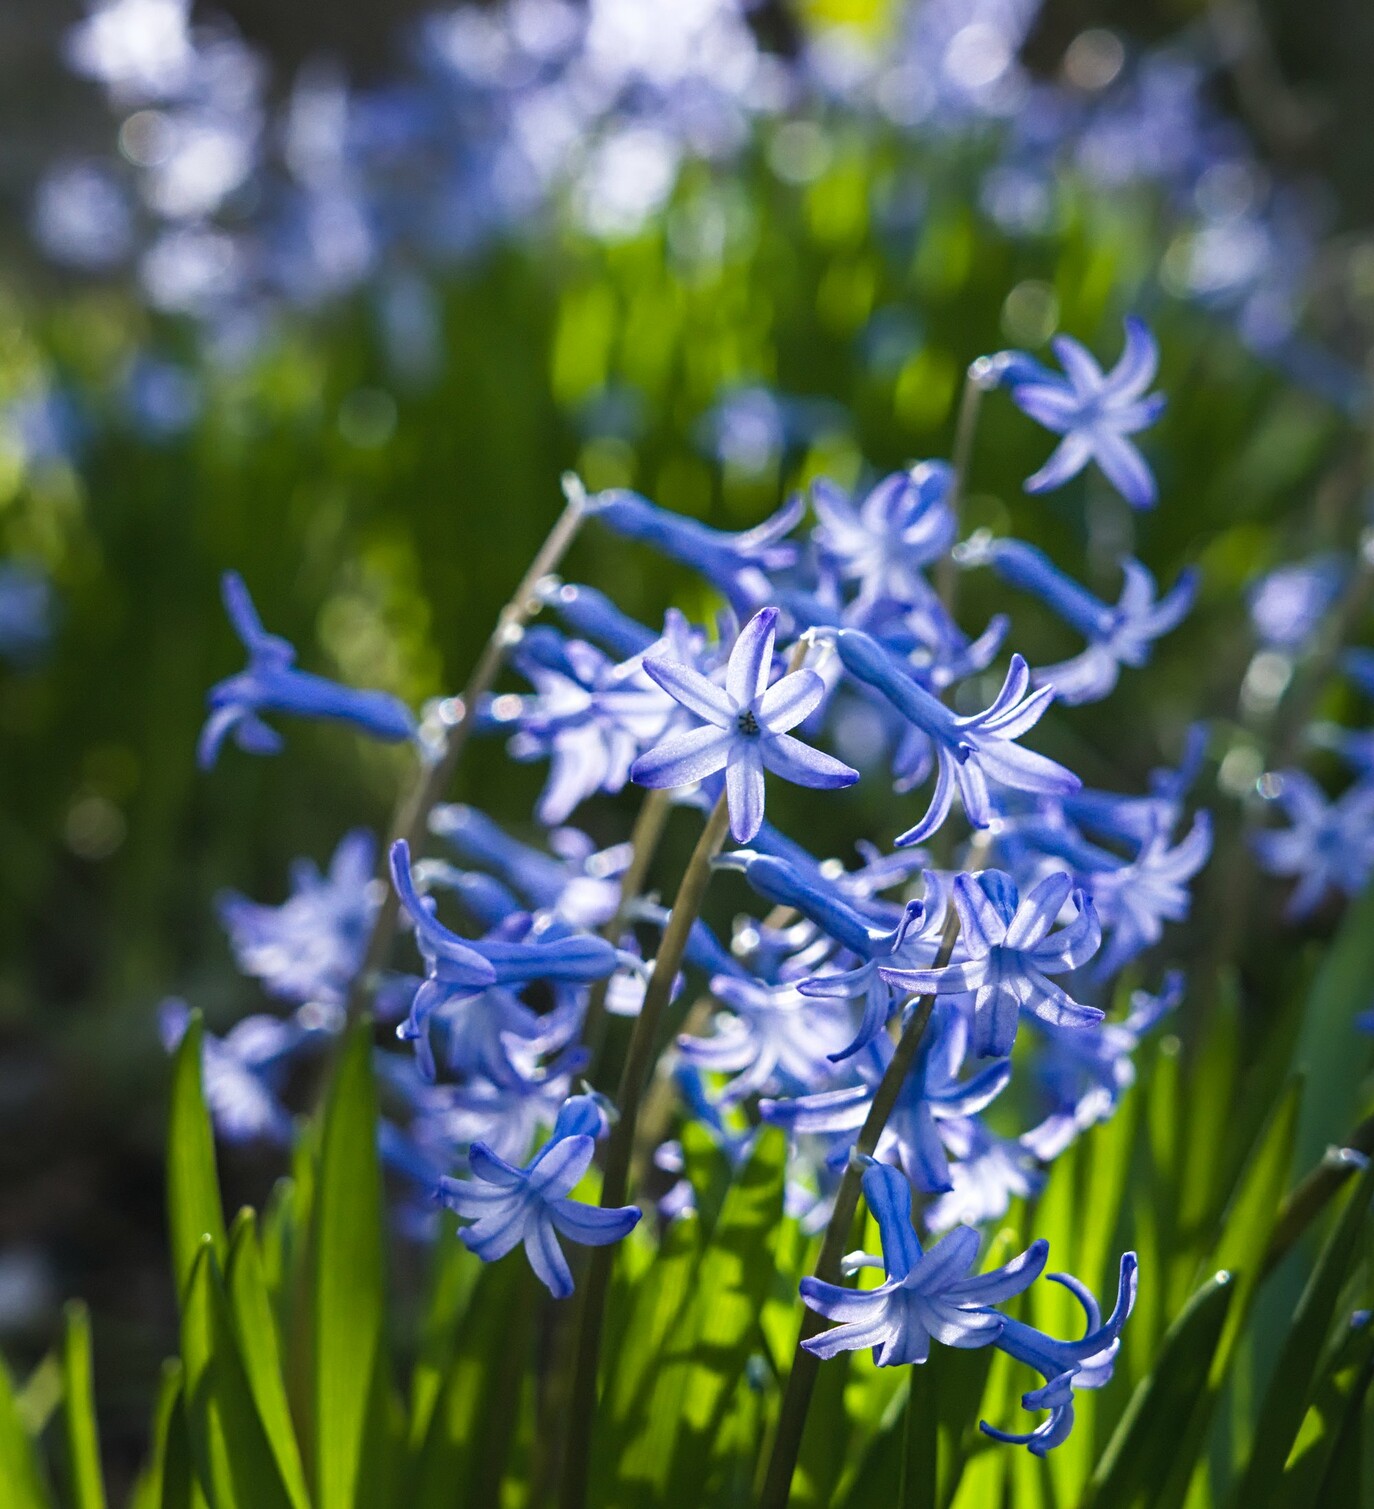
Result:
x=931 y=1095
x=27 y=611
x=1288 y=604
x=926 y=1294
x=745 y=728
x=1095 y=414
x=1329 y=845
x=902 y=526
x=311 y=946
x=272 y=684
x=1007 y=953
x=509 y=1205
x=242 y=1072
x=1117 y=636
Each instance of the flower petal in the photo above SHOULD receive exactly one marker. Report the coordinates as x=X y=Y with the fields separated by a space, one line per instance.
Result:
x=744 y=790
x=788 y=701
x=682 y=759
x=693 y=690
x=751 y=660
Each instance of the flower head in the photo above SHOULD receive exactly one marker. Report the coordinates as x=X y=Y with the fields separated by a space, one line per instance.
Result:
x=310 y=947
x=1095 y=412
x=1008 y=954
x=272 y=684
x=927 y=1294
x=744 y=728
x=509 y=1205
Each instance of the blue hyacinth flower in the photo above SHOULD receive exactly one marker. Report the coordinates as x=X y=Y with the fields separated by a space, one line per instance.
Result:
x=902 y=526
x=968 y=752
x=745 y=728
x=1007 y=954
x=272 y=684
x=1329 y=845
x=931 y=1095
x=1066 y=1366
x=1117 y=636
x=739 y=564
x=926 y=1294
x=509 y=1205
x=310 y=947
x=1094 y=412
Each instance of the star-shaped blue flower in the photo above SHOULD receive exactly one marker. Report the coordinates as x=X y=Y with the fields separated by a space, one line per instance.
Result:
x=1095 y=413
x=927 y=1294
x=508 y=1205
x=745 y=728
x=1009 y=953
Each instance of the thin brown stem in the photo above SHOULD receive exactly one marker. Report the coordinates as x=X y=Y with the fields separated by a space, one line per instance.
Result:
x=801 y=1381
x=435 y=774
x=615 y=1182
x=648 y=828
x=976 y=382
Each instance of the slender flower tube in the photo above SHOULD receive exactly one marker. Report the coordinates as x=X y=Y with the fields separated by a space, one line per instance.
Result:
x=744 y=730
x=1117 y=636
x=272 y=684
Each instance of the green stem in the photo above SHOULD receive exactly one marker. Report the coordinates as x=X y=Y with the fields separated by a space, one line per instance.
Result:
x=435 y=775
x=615 y=1181
x=648 y=829
x=801 y=1381
x=977 y=380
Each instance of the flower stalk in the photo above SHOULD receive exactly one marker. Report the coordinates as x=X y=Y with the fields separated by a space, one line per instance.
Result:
x=615 y=1180
x=801 y=1381
x=436 y=773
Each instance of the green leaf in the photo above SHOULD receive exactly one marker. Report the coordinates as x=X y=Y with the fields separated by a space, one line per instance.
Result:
x=1291 y=1387
x=1128 y=1474
x=148 y=1492
x=19 y=1468
x=193 y=1199
x=473 y=1421
x=1336 y=1062
x=347 y=1268
x=1330 y=1425
x=707 y=1344
x=230 y=1451
x=83 y=1443
x=454 y=1281
x=255 y=1327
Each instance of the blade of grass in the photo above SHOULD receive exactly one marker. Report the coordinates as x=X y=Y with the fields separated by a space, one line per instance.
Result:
x=193 y=1199
x=82 y=1440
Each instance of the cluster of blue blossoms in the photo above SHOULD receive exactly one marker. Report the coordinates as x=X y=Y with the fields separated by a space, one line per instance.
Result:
x=1004 y=946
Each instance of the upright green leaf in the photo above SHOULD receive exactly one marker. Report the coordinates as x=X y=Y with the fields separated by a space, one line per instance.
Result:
x=19 y=1468
x=229 y=1447
x=1331 y=1423
x=707 y=1344
x=83 y=1443
x=193 y=1199
x=473 y=1419
x=148 y=1492
x=1129 y=1474
x=346 y=1263
x=1292 y=1385
x=1336 y=1063
x=255 y=1328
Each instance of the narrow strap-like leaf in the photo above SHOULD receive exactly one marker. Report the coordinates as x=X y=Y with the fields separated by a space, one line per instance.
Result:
x=193 y=1199
x=83 y=1441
